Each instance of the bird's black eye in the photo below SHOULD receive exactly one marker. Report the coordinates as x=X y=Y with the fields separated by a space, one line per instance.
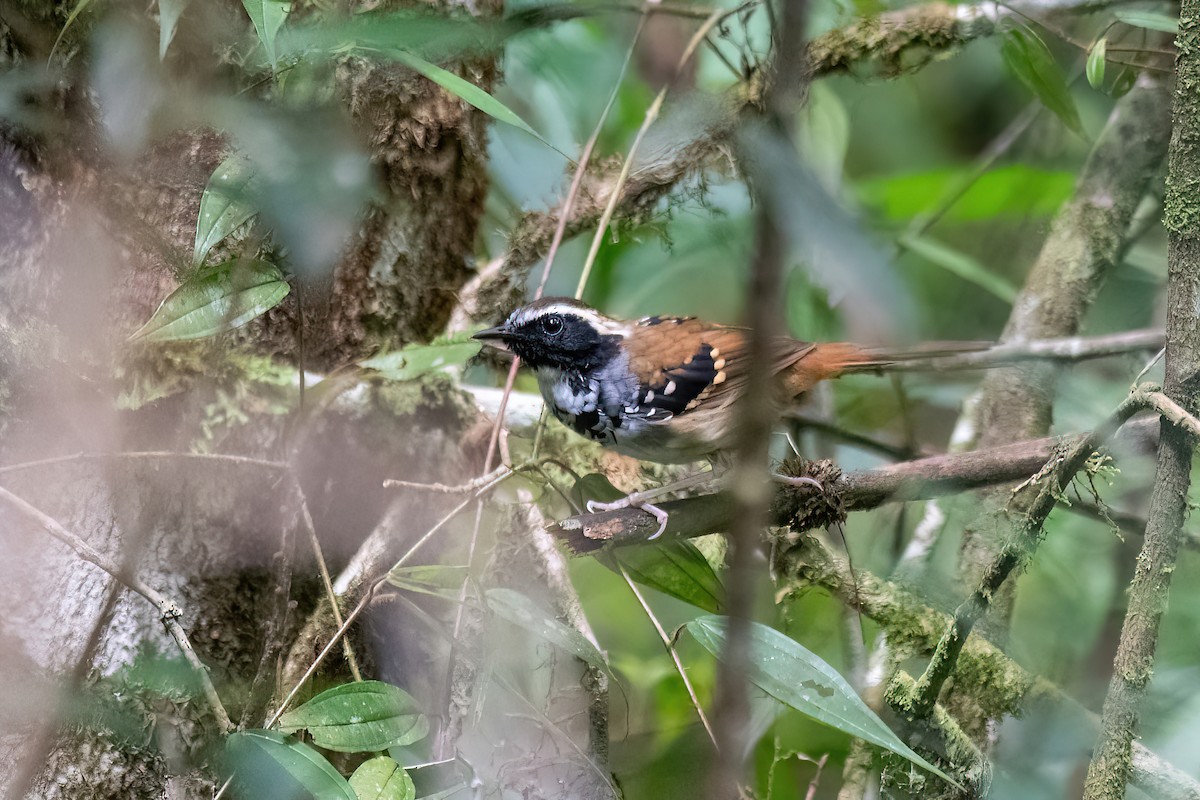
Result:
x=552 y=324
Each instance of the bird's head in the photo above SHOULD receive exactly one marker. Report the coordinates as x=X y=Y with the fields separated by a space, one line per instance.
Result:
x=557 y=332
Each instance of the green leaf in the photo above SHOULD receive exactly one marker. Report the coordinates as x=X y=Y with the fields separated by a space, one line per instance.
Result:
x=1017 y=191
x=1149 y=20
x=228 y=203
x=790 y=673
x=382 y=778
x=594 y=486
x=359 y=717
x=169 y=12
x=960 y=264
x=438 y=580
x=412 y=362
x=215 y=299
x=523 y=612
x=267 y=765
x=268 y=17
x=1096 y=63
x=1033 y=64
x=677 y=568
x=469 y=92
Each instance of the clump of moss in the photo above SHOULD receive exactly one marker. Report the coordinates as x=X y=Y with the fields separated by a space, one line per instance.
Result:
x=806 y=507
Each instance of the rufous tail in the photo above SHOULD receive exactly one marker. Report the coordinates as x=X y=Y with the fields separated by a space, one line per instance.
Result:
x=834 y=359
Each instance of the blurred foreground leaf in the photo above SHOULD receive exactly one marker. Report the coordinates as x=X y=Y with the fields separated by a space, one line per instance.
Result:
x=382 y=778
x=216 y=299
x=267 y=765
x=523 y=612
x=1033 y=64
x=790 y=673
x=359 y=717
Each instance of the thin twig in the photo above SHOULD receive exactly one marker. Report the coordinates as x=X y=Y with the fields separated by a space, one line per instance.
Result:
x=365 y=600
x=651 y=115
x=168 y=611
x=670 y=647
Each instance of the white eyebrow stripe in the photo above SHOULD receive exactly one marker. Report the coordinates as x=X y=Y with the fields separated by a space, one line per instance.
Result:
x=595 y=318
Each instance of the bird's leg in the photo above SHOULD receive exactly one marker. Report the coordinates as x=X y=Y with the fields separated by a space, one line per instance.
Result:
x=641 y=500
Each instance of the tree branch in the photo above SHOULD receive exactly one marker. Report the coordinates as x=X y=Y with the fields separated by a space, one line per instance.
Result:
x=1111 y=768
x=851 y=491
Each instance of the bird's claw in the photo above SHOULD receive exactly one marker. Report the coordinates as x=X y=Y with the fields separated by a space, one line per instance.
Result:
x=594 y=507
x=790 y=480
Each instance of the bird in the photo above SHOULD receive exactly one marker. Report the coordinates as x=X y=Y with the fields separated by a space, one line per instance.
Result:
x=665 y=389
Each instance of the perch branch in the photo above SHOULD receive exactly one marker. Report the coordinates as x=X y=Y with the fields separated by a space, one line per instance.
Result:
x=862 y=490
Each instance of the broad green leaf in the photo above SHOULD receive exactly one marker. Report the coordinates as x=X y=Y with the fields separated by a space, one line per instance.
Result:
x=1096 y=63
x=169 y=12
x=523 y=612
x=1016 y=190
x=469 y=92
x=227 y=203
x=382 y=778
x=438 y=580
x=1149 y=20
x=960 y=264
x=412 y=362
x=216 y=299
x=677 y=568
x=594 y=486
x=267 y=765
x=793 y=675
x=268 y=17
x=1034 y=65
x=359 y=717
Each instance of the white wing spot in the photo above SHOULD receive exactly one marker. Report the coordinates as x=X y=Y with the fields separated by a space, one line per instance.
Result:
x=670 y=387
x=719 y=379
x=719 y=364
x=714 y=353
x=649 y=395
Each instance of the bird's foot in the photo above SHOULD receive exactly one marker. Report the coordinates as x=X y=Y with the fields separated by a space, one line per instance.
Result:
x=635 y=500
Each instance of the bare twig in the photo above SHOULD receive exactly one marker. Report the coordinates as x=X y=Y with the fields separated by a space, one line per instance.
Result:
x=168 y=611
x=670 y=647
x=1069 y=348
